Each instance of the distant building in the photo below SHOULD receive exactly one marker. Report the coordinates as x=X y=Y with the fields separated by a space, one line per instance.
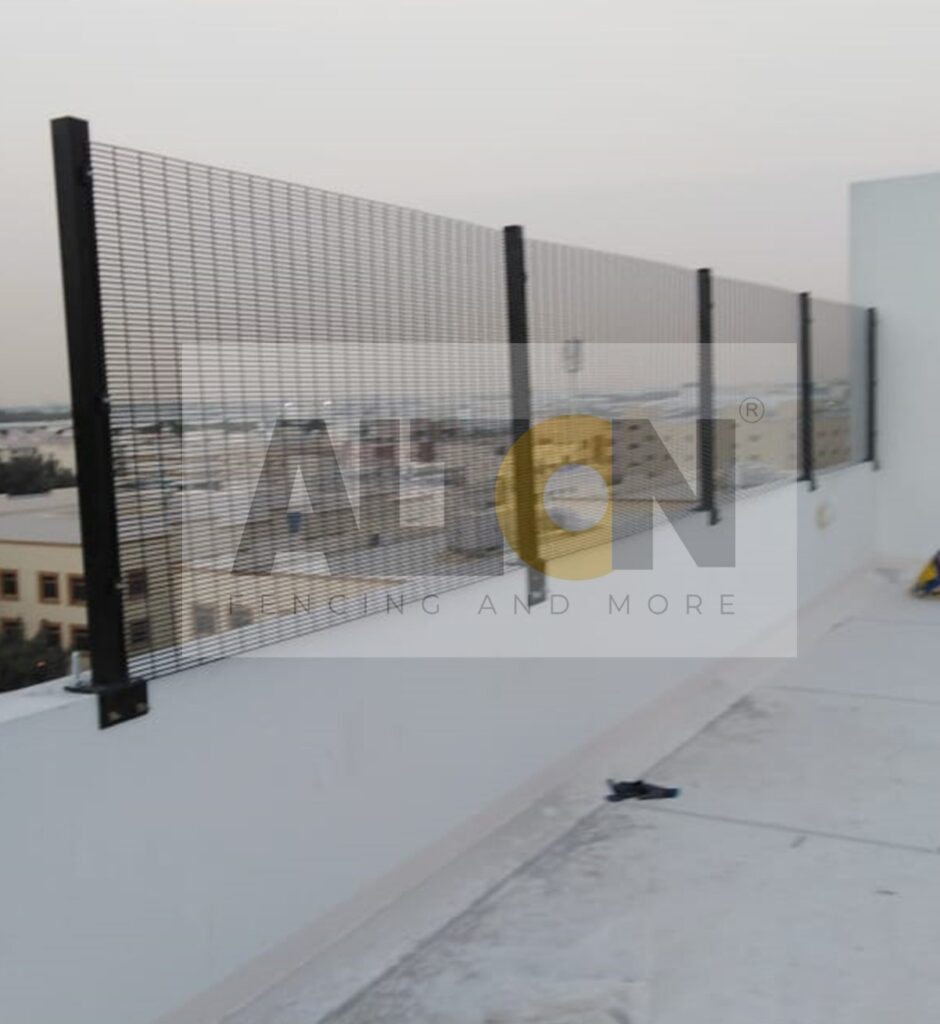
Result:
x=50 y=440
x=42 y=585
x=185 y=518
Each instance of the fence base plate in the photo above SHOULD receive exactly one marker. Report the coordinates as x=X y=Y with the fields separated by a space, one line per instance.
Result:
x=117 y=704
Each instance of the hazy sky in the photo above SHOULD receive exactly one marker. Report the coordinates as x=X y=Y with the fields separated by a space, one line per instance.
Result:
x=722 y=133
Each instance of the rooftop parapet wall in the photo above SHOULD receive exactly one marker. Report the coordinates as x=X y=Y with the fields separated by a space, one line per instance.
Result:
x=896 y=267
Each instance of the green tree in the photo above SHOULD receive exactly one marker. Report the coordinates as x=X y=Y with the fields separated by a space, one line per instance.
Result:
x=25 y=662
x=33 y=474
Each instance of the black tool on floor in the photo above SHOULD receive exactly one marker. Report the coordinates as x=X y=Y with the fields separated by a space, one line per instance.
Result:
x=639 y=790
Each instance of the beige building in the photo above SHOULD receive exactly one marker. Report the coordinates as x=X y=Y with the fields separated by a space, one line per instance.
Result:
x=42 y=587
x=42 y=583
x=178 y=546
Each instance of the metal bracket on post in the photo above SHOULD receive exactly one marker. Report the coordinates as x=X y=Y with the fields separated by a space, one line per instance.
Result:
x=808 y=453
x=120 y=698
x=706 y=392
x=872 y=397
x=523 y=454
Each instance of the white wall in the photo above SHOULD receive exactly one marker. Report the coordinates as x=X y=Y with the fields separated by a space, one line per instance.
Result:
x=896 y=267
x=143 y=864
x=836 y=528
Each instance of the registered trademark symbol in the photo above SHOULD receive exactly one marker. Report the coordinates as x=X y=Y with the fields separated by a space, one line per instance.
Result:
x=751 y=410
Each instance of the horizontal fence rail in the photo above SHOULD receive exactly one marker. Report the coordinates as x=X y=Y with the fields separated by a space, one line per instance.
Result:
x=322 y=407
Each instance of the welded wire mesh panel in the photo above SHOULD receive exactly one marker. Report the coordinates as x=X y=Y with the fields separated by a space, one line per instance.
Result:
x=756 y=335
x=614 y=371
x=840 y=376
x=309 y=398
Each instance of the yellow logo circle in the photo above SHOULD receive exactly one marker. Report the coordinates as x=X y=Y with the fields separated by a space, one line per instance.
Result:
x=529 y=529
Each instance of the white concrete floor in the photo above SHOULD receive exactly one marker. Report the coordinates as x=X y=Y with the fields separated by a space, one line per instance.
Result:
x=795 y=881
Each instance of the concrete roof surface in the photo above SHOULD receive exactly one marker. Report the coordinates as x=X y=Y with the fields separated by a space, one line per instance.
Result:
x=795 y=879
x=41 y=518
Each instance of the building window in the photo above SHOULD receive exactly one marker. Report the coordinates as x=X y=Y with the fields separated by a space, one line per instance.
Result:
x=49 y=587
x=51 y=633
x=239 y=616
x=79 y=638
x=9 y=584
x=11 y=630
x=138 y=633
x=136 y=583
x=203 y=619
x=76 y=589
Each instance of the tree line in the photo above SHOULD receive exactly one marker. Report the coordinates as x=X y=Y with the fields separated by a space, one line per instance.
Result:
x=31 y=473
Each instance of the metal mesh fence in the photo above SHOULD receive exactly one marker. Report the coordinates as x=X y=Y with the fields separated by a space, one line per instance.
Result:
x=614 y=371
x=756 y=384
x=292 y=371
x=840 y=369
x=310 y=401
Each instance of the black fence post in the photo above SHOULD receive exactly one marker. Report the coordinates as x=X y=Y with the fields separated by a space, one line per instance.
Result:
x=120 y=698
x=872 y=398
x=706 y=397
x=523 y=454
x=808 y=446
